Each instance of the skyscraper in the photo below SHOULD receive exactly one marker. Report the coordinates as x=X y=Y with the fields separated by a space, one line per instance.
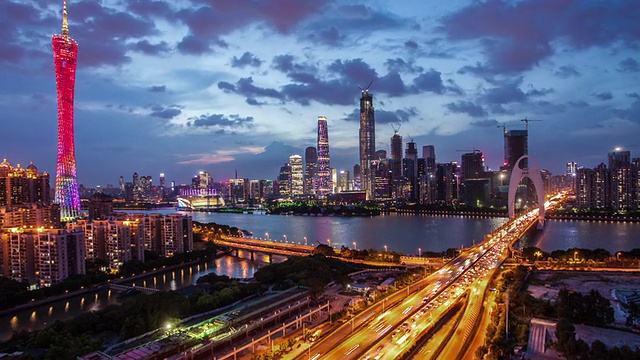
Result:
x=65 y=52
x=367 y=142
x=297 y=182
x=323 y=185
x=515 y=145
x=311 y=166
x=396 y=155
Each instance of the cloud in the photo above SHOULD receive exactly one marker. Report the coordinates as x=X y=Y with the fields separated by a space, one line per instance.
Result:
x=522 y=40
x=429 y=81
x=505 y=92
x=466 y=107
x=165 y=113
x=245 y=87
x=632 y=113
x=605 y=95
x=567 y=71
x=401 y=66
x=386 y=117
x=193 y=45
x=247 y=59
x=633 y=95
x=628 y=65
x=410 y=44
x=330 y=36
x=157 y=88
x=539 y=92
x=233 y=121
x=489 y=123
x=579 y=104
x=145 y=47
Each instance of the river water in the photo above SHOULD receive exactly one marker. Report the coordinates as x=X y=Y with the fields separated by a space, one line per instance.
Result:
x=403 y=233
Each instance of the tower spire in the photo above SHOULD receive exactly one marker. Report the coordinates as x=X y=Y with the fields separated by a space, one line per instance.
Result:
x=65 y=24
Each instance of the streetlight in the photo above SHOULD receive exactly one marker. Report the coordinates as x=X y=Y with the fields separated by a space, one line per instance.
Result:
x=305 y=241
x=329 y=241
x=575 y=254
x=285 y=237
x=355 y=246
x=618 y=255
x=266 y=235
x=419 y=252
x=385 y=248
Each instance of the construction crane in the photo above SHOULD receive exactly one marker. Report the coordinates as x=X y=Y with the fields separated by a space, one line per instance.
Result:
x=396 y=128
x=526 y=123
x=504 y=127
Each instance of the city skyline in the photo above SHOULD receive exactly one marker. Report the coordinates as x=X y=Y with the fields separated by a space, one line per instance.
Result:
x=178 y=88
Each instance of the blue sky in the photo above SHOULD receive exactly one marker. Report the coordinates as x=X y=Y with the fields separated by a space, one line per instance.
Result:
x=217 y=85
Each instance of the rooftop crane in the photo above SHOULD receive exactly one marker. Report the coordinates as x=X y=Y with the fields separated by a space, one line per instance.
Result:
x=396 y=128
x=526 y=123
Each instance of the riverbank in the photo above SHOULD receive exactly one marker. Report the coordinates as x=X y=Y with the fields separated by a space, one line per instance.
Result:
x=99 y=287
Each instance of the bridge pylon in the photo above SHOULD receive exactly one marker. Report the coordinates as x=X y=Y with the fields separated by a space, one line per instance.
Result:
x=534 y=174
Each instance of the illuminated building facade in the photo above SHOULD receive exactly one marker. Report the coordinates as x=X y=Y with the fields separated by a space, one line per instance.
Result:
x=65 y=52
x=19 y=186
x=297 y=177
x=41 y=257
x=367 y=143
x=324 y=184
x=310 y=169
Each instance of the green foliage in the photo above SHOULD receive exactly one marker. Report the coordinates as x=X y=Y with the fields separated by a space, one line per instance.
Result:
x=590 y=309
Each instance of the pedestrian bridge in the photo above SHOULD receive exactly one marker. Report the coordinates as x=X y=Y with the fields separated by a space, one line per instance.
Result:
x=145 y=290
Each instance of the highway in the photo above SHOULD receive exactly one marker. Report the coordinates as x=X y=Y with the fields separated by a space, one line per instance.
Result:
x=377 y=334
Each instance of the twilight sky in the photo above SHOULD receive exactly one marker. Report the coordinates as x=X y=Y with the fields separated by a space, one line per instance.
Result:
x=187 y=85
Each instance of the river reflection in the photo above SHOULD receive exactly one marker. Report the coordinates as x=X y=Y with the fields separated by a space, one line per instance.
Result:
x=44 y=315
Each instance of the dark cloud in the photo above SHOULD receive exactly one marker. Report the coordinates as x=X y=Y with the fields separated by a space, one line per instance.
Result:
x=628 y=65
x=466 y=107
x=330 y=36
x=254 y=102
x=605 y=95
x=478 y=69
x=632 y=113
x=356 y=19
x=193 y=45
x=232 y=121
x=429 y=81
x=245 y=87
x=539 y=92
x=157 y=88
x=401 y=66
x=522 y=40
x=505 y=92
x=489 y=123
x=146 y=8
x=283 y=63
x=633 y=95
x=166 y=113
x=247 y=59
x=386 y=117
x=209 y=20
x=453 y=88
x=411 y=45
x=144 y=46
x=354 y=71
x=567 y=71
x=578 y=104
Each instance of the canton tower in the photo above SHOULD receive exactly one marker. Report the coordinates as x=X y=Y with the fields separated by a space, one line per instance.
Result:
x=323 y=184
x=65 y=51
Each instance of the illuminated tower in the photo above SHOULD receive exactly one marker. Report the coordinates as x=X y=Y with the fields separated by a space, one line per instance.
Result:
x=65 y=51
x=367 y=142
x=323 y=184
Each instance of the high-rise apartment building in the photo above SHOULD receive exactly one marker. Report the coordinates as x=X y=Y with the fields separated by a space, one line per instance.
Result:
x=19 y=186
x=310 y=169
x=65 y=52
x=41 y=257
x=323 y=185
x=284 y=180
x=367 y=143
x=297 y=178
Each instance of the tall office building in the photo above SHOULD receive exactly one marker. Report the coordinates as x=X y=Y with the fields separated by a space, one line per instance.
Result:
x=310 y=169
x=619 y=159
x=472 y=166
x=515 y=146
x=297 y=178
x=396 y=155
x=571 y=168
x=429 y=151
x=367 y=143
x=323 y=185
x=65 y=51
